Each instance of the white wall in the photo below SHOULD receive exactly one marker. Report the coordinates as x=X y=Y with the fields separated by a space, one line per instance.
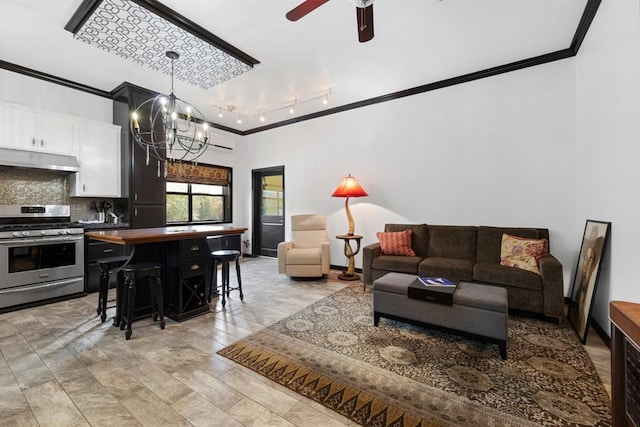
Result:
x=498 y=151
x=24 y=90
x=608 y=146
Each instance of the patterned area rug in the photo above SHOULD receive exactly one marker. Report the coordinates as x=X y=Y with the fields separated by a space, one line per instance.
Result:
x=403 y=375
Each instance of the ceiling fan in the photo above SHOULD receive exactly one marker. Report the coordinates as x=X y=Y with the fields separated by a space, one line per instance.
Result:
x=364 y=15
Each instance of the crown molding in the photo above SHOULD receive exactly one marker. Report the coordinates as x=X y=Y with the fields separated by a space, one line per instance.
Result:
x=53 y=79
x=489 y=72
x=588 y=15
x=587 y=18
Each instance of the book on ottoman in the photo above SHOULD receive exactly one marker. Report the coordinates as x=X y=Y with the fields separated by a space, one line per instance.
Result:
x=433 y=289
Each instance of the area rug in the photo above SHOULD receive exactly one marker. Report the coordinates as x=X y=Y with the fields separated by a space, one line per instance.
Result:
x=402 y=375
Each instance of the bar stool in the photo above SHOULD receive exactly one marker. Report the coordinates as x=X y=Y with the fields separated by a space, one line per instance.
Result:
x=224 y=257
x=107 y=267
x=133 y=272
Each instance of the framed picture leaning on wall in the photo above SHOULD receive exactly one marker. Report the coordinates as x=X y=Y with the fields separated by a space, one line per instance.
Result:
x=585 y=281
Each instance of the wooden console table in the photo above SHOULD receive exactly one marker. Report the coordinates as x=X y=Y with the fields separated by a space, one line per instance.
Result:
x=184 y=252
x=625 y=363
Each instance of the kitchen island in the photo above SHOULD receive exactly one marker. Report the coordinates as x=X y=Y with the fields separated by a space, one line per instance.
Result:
x=184 y=252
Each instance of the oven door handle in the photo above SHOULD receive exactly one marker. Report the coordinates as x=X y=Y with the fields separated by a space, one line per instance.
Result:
x=43 y=240
x=34 y=287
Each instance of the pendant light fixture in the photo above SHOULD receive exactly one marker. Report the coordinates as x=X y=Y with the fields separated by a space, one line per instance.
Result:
x=168 y=128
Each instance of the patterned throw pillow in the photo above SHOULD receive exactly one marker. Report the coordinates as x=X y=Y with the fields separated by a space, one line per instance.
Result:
x=396 y=243
x=522 y=253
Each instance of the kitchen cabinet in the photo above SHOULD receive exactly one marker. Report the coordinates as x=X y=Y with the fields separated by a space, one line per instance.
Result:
x=100 y=163
x=26 y=128
x=144 y=216
x=143 y=173
x=143 y=186
x=94 y=251
x=187 y=267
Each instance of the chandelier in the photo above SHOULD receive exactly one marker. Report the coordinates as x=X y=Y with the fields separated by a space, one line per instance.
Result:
x=169 y=129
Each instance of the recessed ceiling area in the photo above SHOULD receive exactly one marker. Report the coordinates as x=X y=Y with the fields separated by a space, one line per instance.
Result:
x=416 y=42
x=131 y=31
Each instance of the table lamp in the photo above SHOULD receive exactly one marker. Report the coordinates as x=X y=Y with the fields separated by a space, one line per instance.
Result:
x=349 y=187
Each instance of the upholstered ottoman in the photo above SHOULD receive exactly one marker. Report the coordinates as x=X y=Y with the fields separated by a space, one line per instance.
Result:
x=477 y=310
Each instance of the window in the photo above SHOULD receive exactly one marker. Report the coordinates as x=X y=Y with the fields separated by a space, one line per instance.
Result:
x=198 y=194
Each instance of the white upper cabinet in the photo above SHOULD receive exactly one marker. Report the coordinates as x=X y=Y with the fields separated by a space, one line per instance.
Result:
x=26 y=128
x=99 y=156
x=95 y=144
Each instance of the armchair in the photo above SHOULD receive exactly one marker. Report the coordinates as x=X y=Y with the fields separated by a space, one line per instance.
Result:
x=307 y=254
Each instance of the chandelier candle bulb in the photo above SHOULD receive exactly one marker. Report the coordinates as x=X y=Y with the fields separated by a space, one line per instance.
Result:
x=136 y=125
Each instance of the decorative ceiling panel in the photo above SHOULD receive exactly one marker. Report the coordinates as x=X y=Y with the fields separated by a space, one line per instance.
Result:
x=130 y=31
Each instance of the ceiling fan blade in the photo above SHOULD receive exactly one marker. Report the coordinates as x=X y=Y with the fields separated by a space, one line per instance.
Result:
x=365 y=23
x=303 y=8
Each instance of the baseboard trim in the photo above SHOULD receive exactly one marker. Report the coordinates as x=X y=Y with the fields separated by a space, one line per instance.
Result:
x=596 y=327
x=343 y=268
x=601 y=333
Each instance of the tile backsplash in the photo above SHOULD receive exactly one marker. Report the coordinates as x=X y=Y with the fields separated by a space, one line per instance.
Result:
x=42 y=187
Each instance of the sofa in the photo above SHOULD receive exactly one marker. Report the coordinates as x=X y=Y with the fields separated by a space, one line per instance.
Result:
x=473 y=254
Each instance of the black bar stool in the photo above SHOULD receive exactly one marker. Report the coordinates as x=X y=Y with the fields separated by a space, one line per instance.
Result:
x=133 y=272
x=224 y=257
x=107 y=267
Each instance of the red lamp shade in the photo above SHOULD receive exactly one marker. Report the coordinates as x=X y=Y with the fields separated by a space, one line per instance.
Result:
x=349 y=187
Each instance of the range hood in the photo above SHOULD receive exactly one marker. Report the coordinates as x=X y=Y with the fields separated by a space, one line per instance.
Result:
x=38 y=160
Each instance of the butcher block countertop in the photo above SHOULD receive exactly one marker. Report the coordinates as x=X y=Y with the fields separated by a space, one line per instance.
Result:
x=162 y=234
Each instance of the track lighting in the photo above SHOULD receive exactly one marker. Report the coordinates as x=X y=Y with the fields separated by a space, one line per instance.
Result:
x=291 y=107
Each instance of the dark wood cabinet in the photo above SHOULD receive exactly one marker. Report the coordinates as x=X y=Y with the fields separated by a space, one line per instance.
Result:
x=143 y=185
x=625 y=363
x=95 y=250
x=146 y=186
x=143 y=216
x=187 y=264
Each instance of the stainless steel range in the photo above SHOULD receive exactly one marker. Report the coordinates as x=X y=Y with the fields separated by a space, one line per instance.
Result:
x=41 y=254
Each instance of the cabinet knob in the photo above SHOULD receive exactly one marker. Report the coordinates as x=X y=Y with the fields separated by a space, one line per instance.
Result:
x=106 y=251
x=42 y=143
x=195 y=248
x=195 y=267
x=135 y=196
x=135 y=212
x=33 y=142
x=84 y=187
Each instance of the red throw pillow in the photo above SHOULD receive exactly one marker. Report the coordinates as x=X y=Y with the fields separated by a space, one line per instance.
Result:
x=396 y=243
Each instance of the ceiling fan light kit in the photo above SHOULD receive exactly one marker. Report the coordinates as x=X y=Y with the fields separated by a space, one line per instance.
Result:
x=362 y=3
x=364 y=15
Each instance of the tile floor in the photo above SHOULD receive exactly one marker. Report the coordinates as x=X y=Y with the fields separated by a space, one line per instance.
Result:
x=60 y=366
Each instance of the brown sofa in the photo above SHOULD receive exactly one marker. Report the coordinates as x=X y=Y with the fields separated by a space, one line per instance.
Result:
x=472 y=254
